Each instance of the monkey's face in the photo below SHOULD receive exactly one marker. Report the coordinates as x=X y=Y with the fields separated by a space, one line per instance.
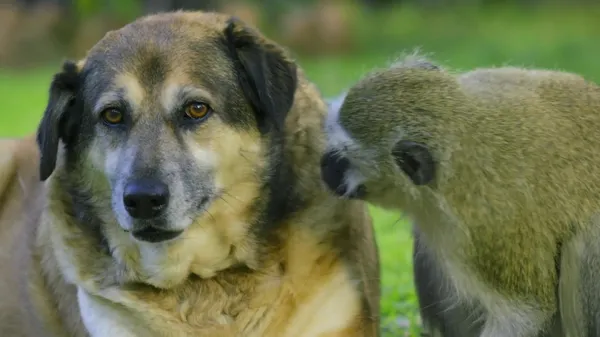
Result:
x=369 y=154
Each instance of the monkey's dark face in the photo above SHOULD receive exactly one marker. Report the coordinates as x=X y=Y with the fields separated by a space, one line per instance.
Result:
x=367 y=156
x=167 y=127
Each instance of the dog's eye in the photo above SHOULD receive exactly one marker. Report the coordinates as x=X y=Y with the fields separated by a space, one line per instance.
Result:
x=112 y=116
x=197 y=110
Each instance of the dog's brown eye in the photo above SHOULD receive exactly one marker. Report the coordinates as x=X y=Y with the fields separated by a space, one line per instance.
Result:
x=112 y=116
x=197 y=110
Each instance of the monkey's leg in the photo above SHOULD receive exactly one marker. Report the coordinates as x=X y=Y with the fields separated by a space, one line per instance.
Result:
x=579 y=284
x=441 y=314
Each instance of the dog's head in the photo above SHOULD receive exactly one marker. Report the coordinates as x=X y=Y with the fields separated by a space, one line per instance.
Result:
x=170 y=123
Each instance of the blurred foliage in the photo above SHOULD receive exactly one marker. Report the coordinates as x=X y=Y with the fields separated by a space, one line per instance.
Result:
x=126 y=9
x=492 y=30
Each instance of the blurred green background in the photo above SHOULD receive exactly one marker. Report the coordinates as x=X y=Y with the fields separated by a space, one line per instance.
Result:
x=335 y=42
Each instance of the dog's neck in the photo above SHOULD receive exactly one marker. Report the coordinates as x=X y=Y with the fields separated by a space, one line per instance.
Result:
x=295 y=180
x=305 y=139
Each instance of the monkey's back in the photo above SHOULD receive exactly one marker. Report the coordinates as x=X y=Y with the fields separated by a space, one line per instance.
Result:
x=537 y=130
x=523 y=170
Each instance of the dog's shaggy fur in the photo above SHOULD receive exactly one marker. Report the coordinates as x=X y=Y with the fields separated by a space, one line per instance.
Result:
x=249 y=242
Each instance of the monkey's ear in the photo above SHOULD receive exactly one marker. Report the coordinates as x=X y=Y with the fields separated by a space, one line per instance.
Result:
x=267 y=76
x=415 y=160
x=60 y=120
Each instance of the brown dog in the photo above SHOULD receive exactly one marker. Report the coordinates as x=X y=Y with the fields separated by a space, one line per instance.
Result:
x=182 y=196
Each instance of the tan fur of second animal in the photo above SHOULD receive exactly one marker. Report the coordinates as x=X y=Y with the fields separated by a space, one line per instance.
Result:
x=499 y=170
x=260 y=247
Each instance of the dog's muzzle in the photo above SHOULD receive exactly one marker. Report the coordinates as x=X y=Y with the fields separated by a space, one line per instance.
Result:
x=146 y=200
x=333 y=172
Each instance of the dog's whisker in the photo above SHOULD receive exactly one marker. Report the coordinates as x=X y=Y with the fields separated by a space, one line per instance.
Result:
x=210 y=215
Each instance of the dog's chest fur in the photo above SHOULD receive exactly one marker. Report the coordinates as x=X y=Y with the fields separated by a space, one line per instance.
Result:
x=307 y=295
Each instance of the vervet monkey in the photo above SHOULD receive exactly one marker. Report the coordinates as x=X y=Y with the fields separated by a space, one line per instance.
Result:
x=500 y=171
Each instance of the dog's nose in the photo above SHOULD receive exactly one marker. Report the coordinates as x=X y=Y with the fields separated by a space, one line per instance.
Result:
x=146 y=198
x=333 y=172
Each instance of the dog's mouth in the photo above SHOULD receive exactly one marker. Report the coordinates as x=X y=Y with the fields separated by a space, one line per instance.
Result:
x=155 y=235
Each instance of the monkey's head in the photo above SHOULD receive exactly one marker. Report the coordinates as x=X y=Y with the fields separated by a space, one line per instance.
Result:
x=386 y=137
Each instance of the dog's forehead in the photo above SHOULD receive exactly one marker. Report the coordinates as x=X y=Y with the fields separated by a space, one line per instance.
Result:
x=165 y=30
x=153 y=47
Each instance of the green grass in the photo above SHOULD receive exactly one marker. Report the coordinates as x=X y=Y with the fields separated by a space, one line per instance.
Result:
x=563 y=38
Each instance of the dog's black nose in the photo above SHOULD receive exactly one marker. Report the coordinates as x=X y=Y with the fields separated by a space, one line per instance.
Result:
x=333 y=172
x=146 y=198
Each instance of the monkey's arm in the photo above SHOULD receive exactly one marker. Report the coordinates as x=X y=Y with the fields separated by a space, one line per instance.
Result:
x=443 y=314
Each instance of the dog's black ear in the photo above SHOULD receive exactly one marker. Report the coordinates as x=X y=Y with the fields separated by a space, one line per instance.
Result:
x=60 y=118
x=415 y=160
x=266 y=74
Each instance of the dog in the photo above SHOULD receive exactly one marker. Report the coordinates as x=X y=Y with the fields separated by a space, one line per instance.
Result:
x=173 y=189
